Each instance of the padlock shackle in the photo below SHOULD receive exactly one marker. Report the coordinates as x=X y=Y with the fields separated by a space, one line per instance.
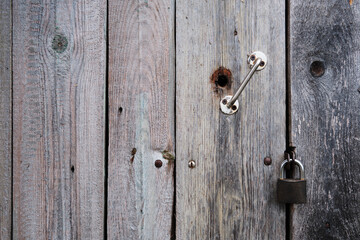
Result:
x=298 y=163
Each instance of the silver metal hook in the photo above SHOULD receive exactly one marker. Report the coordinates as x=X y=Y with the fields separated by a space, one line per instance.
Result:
x=230 y=104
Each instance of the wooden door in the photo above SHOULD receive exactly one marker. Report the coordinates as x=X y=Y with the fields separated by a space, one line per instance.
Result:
x=58 y=102
x=325 y=103
x=230 y=194
x=141 y=119
x=110 y=126
x=5 y=120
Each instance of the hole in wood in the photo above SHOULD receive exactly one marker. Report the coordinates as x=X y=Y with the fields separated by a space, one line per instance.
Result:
x=72 y=168
x=221 y=80
x=317 y=68
x=327 y=225
x=133 y=152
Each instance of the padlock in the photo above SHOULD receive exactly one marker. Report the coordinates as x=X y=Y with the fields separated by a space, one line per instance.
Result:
x=291 y=190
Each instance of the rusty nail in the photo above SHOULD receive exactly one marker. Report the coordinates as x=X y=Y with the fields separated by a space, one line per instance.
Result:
x=224 y=101
x=158 y=163
x=267 y=161
x=252 y=57
x=192 y=164
x=233 y=107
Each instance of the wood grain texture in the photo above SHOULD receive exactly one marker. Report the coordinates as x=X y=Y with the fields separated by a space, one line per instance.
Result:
x=326 y=117
x=5 y=119
x=141 y=119
x=230 y=194
x=59 y=62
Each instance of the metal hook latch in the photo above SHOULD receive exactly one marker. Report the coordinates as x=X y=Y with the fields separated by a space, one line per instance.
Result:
x=230 y=104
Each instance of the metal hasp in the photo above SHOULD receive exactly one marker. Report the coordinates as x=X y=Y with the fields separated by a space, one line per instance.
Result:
x=257 y=61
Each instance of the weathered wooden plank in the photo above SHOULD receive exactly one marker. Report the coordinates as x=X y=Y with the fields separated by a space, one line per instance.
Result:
x=59 y=60
x=230 y=194
x=141 y=119
x=5 y=119
x=326 y=117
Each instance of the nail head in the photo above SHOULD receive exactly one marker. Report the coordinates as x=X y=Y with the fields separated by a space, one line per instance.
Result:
x=158 y=163
x=192 y=164
x=267 y=161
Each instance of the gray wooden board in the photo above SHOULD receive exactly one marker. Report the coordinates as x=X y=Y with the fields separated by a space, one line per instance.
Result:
x=5 y=119
x=326 y=117
x=141 y=119
x=59 y=61
x=230 y=194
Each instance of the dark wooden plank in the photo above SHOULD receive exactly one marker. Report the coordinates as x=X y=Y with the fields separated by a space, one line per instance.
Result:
x=141 y=119
x=59 y=61
x=5 y=119
x=230 y=194
x=326 y=117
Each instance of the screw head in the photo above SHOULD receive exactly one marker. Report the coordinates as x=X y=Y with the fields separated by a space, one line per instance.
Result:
x=267 y=161
x=228 y=110
x=254 y=56
x=192 y=164
x=158 y=163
